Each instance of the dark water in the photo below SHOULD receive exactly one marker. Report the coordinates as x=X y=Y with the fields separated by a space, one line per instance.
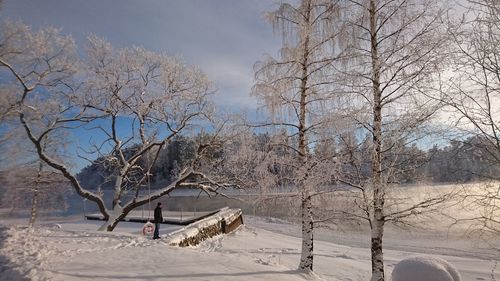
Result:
x=186 y=199
x=179 y=200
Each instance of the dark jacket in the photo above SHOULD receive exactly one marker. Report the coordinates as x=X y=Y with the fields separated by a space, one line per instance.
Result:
x=158 y=215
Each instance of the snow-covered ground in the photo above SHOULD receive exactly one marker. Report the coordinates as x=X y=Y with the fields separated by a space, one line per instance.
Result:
x=262 y=249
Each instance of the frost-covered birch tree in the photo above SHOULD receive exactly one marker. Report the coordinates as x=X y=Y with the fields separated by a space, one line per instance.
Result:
x=473 y=94
x=296 y=88
x=131 y=100
x=31 y=187
x=396 y=56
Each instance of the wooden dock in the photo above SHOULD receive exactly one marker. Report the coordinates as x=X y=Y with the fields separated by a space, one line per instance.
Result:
x=175 y=218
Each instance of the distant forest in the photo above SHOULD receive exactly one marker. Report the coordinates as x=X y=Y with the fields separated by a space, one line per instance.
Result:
x=459 y=161
x=169 y=163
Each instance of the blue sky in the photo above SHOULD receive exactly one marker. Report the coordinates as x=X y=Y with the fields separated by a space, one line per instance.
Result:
x=224 y=37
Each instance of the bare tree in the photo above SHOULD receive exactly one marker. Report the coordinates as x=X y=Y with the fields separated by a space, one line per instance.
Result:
x=32 y=187
x=297 y=90
x=395 y=55
x=473 y=95
x=25 y=69
x=154 y=96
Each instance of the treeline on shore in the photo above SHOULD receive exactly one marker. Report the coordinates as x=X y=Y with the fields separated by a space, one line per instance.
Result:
x=461 y=161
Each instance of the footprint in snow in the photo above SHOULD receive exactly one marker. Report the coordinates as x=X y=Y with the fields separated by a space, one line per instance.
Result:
x=344 y=256
x=289 y=250
x=260 y=261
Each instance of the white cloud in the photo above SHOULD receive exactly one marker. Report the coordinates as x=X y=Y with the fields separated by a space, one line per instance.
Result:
x=223 y=37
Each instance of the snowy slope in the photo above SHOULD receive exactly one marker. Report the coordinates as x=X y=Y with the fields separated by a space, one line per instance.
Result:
x=74 y=251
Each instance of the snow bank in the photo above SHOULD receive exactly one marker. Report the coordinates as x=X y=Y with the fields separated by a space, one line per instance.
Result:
x=425 y=268
x=22 y=255
x=224 y=221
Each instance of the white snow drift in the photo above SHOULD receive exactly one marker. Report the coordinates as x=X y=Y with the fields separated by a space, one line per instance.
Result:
x=425 y=268
x=75 y=251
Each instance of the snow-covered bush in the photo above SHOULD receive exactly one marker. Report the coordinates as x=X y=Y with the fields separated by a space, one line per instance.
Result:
x=425 y=268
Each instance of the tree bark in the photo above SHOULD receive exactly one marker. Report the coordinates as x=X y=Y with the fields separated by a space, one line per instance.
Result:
x=378 y=187
x=307 y=256
x=306 y=259
x=34 y=200
x=377 y=254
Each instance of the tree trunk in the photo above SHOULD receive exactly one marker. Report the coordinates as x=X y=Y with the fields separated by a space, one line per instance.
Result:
x=376 y=249
x=115 y=216
x=117 y=190
x=34 y=204
x=306 y=258
x=378 y=187
x=34 y=200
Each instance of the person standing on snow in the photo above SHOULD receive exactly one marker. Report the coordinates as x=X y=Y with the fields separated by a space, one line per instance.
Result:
x=157 y=221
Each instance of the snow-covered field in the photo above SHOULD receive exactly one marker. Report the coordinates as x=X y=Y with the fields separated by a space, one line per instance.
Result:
x=262 y=249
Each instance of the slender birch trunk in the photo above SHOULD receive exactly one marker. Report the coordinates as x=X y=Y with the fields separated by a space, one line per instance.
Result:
x=377 y=225
x=306 y=259
x=34 y=200
x=297 y=83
